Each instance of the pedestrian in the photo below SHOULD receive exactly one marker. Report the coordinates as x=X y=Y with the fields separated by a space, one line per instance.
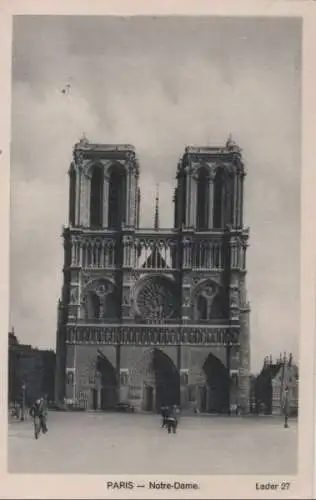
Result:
x=286 y=407
x=38 y=412
x=172 y=424
x=172 y=421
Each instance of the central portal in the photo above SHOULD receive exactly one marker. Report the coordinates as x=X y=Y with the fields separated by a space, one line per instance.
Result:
x=214 y=396
x=167 y=380
x=155 y=382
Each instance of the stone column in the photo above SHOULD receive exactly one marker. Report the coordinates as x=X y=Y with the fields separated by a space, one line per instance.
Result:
x=235 y=199
x=128 y=197
x=77 y=196
x=84 y=200
x=73 y=252
x=223 y=202
x=210 y=201
x=193 y=203
x=132 y=214
x=80 y=254
x=105 y=214
x=244 y=367
x=187 y=251
x=233 y=254
x=186 y=299
x=241 y=198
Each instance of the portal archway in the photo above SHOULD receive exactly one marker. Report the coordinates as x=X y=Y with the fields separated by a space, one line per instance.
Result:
x=104 y=390
x=154 y=382
x=214 y=395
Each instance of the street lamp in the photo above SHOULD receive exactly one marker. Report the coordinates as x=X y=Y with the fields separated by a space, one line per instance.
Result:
x=286 y=407
x=23 y=387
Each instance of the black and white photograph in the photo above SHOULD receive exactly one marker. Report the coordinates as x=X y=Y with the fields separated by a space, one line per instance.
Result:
x=155 y=248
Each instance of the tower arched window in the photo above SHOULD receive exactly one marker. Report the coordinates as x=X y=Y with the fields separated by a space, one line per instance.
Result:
x=117 y=198
x=202 y=199
x=229 y=199
x=72 y=197
x=218 y=209
x=96 y=197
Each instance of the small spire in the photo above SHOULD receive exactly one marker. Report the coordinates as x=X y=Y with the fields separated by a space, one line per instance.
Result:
x=83 y=139
x=230 y=142
x=231 y=145
x=156 y=221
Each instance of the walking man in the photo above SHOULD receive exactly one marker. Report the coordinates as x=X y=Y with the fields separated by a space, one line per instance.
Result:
x=39 y=414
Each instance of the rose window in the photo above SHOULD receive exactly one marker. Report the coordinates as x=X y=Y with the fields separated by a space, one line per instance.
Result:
x=156 y=300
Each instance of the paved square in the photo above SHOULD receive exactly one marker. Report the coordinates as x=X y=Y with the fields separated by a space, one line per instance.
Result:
x=114 y=443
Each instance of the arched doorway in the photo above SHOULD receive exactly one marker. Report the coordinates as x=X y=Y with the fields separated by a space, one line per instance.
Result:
x=214 y=396
x=154 y=382
x=104 y=392
x=167 y=380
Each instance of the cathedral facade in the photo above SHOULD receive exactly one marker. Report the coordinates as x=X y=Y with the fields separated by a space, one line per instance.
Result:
x=152 y=316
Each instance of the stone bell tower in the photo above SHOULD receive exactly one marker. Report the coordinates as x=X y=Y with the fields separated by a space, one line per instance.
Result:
x=209 y=214
x=103 y=216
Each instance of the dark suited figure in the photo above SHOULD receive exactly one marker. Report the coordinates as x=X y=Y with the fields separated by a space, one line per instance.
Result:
x=172 y=421
x=39 y=412
x=286 y=407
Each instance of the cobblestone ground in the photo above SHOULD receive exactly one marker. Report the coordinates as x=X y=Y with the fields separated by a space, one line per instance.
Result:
x=109 y=443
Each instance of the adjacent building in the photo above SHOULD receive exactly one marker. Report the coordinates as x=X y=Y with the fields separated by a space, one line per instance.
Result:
x=287 y=377
x=277 y=380
x=154 y=316
x=31 y=372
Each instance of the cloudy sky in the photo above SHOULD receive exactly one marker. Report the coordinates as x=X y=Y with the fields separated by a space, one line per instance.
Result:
x=158 y=83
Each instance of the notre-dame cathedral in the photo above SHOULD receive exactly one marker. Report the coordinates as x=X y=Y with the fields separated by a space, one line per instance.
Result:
x=151 y=316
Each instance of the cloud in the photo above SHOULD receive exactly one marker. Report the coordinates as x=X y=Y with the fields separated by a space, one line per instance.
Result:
x=132 y=85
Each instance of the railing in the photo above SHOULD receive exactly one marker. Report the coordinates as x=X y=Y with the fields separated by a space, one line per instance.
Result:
x=105 y=322
x=155 y=251
x=153 y=335
x=207 y=254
